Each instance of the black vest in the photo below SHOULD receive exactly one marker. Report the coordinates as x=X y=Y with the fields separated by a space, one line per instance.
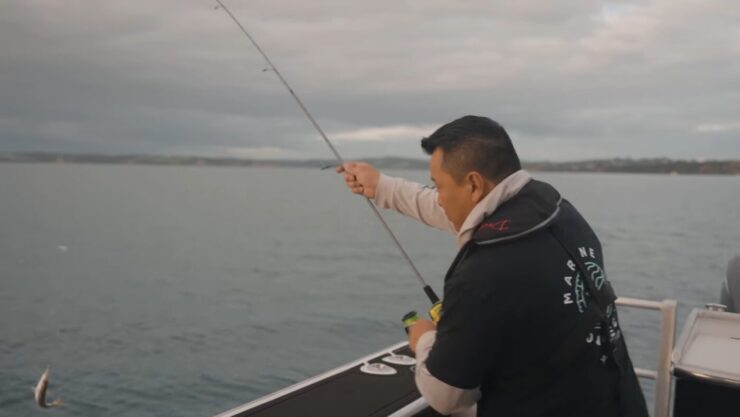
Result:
x=538 y=214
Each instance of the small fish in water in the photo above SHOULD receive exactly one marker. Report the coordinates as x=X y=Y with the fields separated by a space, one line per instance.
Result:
x=39 y=394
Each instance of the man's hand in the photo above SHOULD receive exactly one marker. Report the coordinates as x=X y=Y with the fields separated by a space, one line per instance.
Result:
x=361 y=178
x=417 y=329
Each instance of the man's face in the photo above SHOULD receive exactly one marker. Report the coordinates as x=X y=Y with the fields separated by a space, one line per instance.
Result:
x=456 y=199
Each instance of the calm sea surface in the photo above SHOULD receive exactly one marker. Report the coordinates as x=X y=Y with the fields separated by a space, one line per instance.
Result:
x=185 y=291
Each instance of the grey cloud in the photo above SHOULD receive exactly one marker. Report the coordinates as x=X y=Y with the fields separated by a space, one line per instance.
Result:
x=571 y=79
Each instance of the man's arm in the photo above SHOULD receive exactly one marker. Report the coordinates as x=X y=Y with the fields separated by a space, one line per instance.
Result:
x=412 y=199
x=406 y=197
x=455 y=358
x=444 y=398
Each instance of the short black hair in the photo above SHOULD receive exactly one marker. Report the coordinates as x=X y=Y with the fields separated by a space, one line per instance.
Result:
x=474 y=143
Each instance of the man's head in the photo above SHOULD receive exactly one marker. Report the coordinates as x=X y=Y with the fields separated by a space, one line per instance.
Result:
x=470 y=156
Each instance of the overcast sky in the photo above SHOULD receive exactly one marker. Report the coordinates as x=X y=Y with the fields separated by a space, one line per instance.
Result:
x=569 y=79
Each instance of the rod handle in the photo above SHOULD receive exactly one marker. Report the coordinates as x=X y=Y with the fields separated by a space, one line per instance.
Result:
x=431 y=294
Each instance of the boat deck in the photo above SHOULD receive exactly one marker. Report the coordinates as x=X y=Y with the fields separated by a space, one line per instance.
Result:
x=345 y=391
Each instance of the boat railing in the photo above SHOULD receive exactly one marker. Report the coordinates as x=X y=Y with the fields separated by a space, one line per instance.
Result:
x=661 y=375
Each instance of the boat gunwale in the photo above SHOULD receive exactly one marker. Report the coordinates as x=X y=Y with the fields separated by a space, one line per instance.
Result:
x=310 y=381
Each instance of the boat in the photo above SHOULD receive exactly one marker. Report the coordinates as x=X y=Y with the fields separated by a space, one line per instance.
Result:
x=697 y=376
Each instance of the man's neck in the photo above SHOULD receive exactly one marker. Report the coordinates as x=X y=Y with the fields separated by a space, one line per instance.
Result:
x=497 y=195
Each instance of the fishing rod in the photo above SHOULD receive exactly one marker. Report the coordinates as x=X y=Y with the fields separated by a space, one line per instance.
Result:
x=436 y=309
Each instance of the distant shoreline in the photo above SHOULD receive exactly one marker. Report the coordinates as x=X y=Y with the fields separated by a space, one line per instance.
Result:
x=615 y=165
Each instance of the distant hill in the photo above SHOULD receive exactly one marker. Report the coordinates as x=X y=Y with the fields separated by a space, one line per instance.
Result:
x=653 y=166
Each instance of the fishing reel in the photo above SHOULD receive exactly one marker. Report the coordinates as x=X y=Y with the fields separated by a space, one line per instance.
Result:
x=435 y=313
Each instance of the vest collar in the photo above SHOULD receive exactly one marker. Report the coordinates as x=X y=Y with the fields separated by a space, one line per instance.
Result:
x=503 y=191
x=534 y=207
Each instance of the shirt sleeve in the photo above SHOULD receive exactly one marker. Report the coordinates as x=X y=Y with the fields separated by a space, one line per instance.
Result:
x=466 y=345
x=412 y=199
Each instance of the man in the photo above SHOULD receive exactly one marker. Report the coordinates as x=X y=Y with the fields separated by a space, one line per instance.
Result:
x=730 y=293
x=528 y=326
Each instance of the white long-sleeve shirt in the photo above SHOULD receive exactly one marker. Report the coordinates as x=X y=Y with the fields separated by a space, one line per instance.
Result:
x=421 y=203
x=412 y=199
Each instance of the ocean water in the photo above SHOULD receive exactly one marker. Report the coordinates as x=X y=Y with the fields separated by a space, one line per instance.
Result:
x=186 y=291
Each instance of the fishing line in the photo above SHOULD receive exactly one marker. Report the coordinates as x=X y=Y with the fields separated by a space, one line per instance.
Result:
x=427 y=289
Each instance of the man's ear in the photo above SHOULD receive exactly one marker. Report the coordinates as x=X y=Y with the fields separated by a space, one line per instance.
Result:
x=477 y=185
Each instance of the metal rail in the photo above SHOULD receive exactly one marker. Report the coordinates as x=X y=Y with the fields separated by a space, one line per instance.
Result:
x=662 y=375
